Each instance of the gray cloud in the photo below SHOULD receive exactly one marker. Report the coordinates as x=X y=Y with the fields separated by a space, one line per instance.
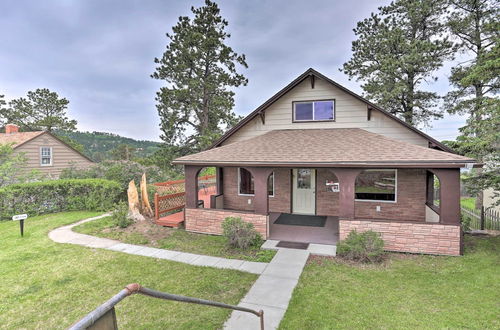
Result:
x=99 y=54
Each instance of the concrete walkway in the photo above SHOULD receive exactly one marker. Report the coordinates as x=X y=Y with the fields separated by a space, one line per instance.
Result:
x=67 y=235
x=271 y=292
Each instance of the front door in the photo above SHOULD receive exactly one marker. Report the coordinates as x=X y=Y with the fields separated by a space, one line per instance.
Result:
x=304 y=190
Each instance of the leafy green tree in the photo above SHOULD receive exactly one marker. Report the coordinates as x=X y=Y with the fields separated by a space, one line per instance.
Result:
x=12 y=167
x=72 y=143
x=396 y=51
x=476 y=84
x=40 y=110
x=2 y=110
x=199 y=70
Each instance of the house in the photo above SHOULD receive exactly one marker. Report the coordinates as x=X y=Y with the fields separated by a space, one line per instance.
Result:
x=44 y=151
x=316 y=161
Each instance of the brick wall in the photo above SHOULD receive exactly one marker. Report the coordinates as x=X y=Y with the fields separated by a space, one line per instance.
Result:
x=409 y=236
x=209 y=221
x=410 y=202
x=327 y=202
x=279 y=203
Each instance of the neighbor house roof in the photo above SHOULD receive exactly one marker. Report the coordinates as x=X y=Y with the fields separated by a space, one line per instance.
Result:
x=335 y=147
x=18 y=138
x=312 y=74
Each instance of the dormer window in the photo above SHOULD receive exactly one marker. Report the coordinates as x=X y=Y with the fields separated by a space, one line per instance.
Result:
x=323 y=110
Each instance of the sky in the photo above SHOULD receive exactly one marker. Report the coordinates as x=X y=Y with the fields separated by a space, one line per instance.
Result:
x=100 y=54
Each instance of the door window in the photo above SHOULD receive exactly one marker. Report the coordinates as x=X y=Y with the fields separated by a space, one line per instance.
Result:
x=304 y=178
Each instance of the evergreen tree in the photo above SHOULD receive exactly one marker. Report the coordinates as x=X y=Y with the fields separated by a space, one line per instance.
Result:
x=2 y=110
x=40 y=110
x=396 y=51
x=199 y=70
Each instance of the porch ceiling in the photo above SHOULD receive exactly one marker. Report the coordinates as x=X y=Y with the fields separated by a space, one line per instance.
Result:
x=338 y=147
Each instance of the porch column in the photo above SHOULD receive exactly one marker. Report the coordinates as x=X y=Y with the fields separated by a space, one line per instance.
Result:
x=191 y=185
x=347 y=178
x=449 y=197
x=219 y=180
x=261 y=198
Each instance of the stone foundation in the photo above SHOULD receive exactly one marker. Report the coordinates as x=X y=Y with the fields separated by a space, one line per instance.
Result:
x=209 y=221
x=410 y=237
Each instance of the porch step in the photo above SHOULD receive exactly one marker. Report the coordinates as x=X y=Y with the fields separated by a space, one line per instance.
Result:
x=172 y=220
x=314 y=249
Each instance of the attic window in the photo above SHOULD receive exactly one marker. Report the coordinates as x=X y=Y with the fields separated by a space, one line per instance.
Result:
x=46 y=156
x=323 y=110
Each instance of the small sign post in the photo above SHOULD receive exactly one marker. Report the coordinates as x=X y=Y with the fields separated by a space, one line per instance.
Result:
x=20 y=218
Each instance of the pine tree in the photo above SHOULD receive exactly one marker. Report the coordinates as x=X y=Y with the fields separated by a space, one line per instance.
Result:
x=396 y=51
x=199 y=70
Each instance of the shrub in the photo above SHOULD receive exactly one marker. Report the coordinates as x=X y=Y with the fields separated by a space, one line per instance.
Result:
x=42 y=197
x=121 y=171
x=367 y=246
x=466 y=222
x=120 y=215
x=240 y=234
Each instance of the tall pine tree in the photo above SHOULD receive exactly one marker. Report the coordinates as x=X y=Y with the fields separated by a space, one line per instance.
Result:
x=396 y=51
x=199 y=70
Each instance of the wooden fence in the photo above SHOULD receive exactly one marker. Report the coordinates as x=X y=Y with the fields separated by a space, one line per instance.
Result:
x=482 y=218
x=171 y=196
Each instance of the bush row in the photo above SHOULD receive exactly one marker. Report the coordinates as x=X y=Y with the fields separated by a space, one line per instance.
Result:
x=58 y=195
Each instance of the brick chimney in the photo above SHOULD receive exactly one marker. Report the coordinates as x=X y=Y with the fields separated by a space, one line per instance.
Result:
x=11 y=129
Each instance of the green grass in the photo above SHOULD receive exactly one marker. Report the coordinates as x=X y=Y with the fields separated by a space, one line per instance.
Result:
x=469 y=202
x=175 y=239
x=47 y=285
x=408 y=292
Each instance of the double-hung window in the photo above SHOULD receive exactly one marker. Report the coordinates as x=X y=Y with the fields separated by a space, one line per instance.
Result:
x=246 y=185
x=314 y=110
x=46 y=156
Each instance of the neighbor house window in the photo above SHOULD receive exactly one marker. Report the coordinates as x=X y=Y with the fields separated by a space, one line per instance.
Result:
x=45 y=156
x=246 y=184
x=314 y=110
x=376 y=185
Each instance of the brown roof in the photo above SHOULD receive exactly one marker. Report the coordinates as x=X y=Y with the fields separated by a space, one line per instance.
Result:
x=323 y=147
x=311 y=73
x=18 y=138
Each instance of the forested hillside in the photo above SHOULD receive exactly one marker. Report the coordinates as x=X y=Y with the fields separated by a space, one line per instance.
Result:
x=99 y=145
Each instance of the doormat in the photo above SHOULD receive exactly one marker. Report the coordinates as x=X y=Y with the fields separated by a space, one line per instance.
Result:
x=293 y=245
x=300 y=220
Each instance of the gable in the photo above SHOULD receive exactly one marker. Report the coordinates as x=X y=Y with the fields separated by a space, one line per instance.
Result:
x=351 y=111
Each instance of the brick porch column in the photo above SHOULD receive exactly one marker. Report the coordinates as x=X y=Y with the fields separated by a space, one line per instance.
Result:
x=347 y=178
x=191 y=185
x=261 y=199
x=449 y=196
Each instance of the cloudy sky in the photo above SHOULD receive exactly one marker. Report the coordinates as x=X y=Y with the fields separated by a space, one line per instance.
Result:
x=99 y=54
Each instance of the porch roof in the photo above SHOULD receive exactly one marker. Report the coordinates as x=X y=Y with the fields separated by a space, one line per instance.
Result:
x=337 y=147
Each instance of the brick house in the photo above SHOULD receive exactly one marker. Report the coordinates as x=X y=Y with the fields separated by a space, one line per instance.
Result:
x=44 y=151
x=316 y=161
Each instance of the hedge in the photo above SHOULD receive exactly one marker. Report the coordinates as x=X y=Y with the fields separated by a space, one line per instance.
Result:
x=37 y=198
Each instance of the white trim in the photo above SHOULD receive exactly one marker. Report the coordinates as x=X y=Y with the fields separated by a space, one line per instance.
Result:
x=51 y=157
x=313 y=112
x=239 y=178
x=375 y=200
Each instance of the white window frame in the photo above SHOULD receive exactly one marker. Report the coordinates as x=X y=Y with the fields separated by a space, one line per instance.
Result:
x=313 y=112
x=51 y=156
x=376 y=200
x=239 y=179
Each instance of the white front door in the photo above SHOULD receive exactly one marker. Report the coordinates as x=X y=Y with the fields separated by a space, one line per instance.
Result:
x=304 y=191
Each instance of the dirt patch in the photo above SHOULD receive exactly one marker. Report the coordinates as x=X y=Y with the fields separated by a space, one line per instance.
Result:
x=150 y=231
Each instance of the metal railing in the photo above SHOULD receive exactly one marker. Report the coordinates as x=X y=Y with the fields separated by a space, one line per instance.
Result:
x=105 y=314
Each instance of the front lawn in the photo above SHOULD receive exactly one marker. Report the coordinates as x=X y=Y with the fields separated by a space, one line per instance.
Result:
x=47 y=285
x=407 y=292
x=146 y=233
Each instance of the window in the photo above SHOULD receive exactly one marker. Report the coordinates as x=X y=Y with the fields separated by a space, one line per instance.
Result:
x=376 y=185
x=314 y=110
x=246 y=184
x=45 y=156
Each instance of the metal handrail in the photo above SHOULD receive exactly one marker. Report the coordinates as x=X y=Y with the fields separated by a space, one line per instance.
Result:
x=92 y=317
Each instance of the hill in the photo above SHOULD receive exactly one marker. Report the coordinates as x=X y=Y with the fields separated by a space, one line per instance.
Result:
x=98 y=145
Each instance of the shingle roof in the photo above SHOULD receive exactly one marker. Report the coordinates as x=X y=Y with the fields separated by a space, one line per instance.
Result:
x=322 y=147
x=18 y=138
